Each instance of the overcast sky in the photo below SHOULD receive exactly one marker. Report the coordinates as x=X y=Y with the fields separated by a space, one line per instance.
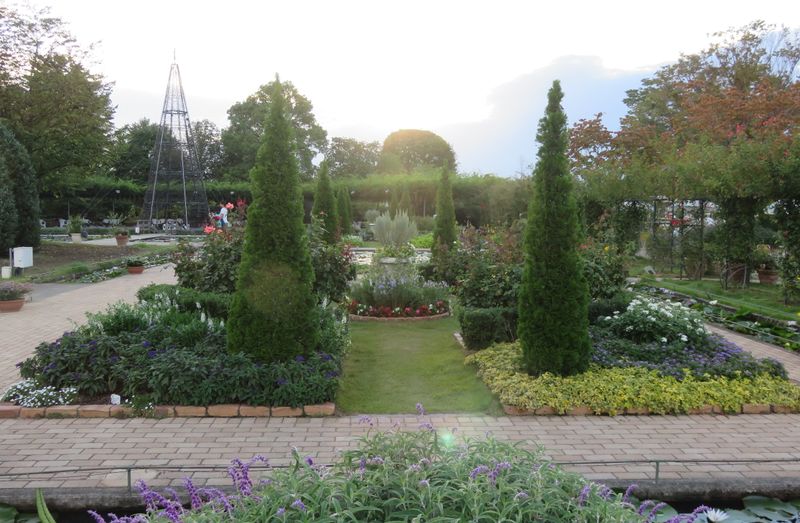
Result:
x=477 y=73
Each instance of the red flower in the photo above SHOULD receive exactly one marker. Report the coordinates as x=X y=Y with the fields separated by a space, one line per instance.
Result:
x=208 y=229
x=229 y=206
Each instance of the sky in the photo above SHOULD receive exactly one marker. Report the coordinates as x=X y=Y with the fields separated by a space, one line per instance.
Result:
x=476 y=73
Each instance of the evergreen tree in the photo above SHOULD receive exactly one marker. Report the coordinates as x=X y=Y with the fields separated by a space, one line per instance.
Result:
x=19 y=170
x=444 y=227
x=393 y=204
x=273 y=313
x=8 y=211
x=345 y=214
x=405 y=201
x=553 y=299
x=325 y=206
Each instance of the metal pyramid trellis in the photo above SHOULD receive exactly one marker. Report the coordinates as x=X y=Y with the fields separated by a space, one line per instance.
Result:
x=175 y=196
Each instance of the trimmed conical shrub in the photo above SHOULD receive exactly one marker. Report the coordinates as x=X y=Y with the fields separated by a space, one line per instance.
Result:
x=405 y=202
x=444 y=227
x=8 y=211
x=343 y=206
x=393 y=204
x=19 y=170
x=325 y=206
x=273 y=314
x=553 y=300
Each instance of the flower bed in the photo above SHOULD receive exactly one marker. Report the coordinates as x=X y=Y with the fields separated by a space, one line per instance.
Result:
x=154 y=353
x=631 y=389
x=397 y=293
x=356 y=317
x=438 y=310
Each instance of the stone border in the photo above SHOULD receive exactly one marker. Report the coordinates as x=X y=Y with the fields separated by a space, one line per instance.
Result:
x=167 y=411
x=747 y=408
x=356 y=317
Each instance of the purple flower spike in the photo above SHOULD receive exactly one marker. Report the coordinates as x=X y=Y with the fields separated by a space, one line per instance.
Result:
x=628 y=492
x=584 y=495
x=97 y=517
x=420 y=409
x=298 y=504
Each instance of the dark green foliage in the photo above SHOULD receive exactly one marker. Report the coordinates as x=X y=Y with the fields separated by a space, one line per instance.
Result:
x=273 y=313
x=413 y=148
x=736 y=238
x=214 y=304
x=171 y=356
x=19 y=170
x=481 y=327
x=350 y=157
x=394 y=204
x=444 y=230
x=553 y=298
x=405 y=202
x=607 y=306
x=788 y=214
x=325 y=206
x=603 y=269
x=214 y=266
x=131 y=149
x=333 y=265
x=343 y=207
x=8 y=211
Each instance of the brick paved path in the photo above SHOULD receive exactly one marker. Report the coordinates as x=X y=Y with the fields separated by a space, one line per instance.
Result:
x=759 y=349
x=49 y=445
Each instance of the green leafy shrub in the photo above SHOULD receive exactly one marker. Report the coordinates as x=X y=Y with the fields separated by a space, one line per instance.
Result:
x=481 y=327
x=215 y=305
x=444 y=228
x=325 y=209
x=212 y=267
x=156 y=351
x=652 y=320
x=602 y=307
x=423 y=241
x=333 y=264
x=345 y=210
x=612 y=390
x=603 y=269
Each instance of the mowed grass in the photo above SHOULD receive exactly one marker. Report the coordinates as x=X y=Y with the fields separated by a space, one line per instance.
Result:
x=393 y=365
x=756 y=297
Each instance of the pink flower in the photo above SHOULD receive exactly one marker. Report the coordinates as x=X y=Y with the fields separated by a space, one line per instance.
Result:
x=229 y=206
x=208 y=229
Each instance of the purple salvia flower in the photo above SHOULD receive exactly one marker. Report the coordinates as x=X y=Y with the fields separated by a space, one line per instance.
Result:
x=194 y=495
x=653 y=513
x=377 y=460
x=644 y=506
x=414 y=468
x=584 y=494
x=696 y=513
x=420 y=409
x=365 y=420
x=521 y=496
x=309 y=461
x=426 y=426
x=280 y=512
x=97 y=517
x=298 y=504
x=628 y=492
x=424 y=483
x=480 y=469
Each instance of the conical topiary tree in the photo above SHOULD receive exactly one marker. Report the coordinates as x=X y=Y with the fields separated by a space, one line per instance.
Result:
x=444 y=227
x=553 y=299
x=405 y=201
x=19 y=170
x=325 y=206
x=273 y=314
x=345 y=214
x=393 y=204
x=8 y=211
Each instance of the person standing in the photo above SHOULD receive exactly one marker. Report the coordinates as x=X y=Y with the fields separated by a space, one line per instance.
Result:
x=223 y=215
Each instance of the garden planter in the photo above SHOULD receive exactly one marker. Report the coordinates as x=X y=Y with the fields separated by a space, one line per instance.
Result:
x=767 y=276
x=76 y=237
x=138 y=269
x=122 y=240
x=11 y=305
x=356 y=317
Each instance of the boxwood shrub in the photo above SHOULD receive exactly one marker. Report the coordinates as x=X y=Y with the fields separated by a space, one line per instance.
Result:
x=481 y=327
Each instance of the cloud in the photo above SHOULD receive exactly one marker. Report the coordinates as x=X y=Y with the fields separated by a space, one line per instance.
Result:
x=505 y=142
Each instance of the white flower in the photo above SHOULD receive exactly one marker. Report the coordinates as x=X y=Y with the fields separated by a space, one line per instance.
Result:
x=791 y=323
x=715 y=515
x=663 y=340
x=607 y=318
x=714 y=302
x=684 y=338
x=617 y=312
x=628 y=328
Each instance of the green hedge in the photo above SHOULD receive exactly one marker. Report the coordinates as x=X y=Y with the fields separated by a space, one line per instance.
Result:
x=481 y=327
x=187 y=300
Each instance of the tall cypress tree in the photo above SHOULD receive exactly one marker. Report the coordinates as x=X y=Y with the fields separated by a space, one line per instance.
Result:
x=553 y=323
x=273 y=313
x=19 y=170
x=393 y=204
x=325 y=205
x=444 y=227
x=343 y=207
x=8 y=211
x=405 y=201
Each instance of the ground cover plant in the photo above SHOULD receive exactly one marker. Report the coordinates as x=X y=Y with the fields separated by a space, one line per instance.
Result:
x=390 y=366
x=162 y=351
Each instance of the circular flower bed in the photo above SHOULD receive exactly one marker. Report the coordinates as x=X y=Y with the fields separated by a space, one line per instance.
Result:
x=398 y=292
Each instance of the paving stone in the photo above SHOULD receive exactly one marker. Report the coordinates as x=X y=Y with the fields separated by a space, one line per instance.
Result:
x=251 y=411
x=31 y=412
x=189 y=411
x=323 y=409
x=223 y=411
x=94 y=411
x=286 y=412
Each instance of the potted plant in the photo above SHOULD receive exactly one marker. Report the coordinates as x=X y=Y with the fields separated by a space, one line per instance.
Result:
x=74 y=226
x=121 y=235
x=134 y=265
x=766 y=264
x=12 y=296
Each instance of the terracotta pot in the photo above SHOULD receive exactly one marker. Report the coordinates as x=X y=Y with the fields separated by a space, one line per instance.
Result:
x=136 y=270
x=122 y=240
x=767 y=276
x=11 y=305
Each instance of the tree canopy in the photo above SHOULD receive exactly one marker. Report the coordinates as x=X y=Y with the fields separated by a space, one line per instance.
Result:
x=131 y=150
x=351 y=157
x=242 y=138
x=413 y=148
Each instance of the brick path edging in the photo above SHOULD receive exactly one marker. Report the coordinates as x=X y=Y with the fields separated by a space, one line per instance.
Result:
x=356 y=317
x=168 y=411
